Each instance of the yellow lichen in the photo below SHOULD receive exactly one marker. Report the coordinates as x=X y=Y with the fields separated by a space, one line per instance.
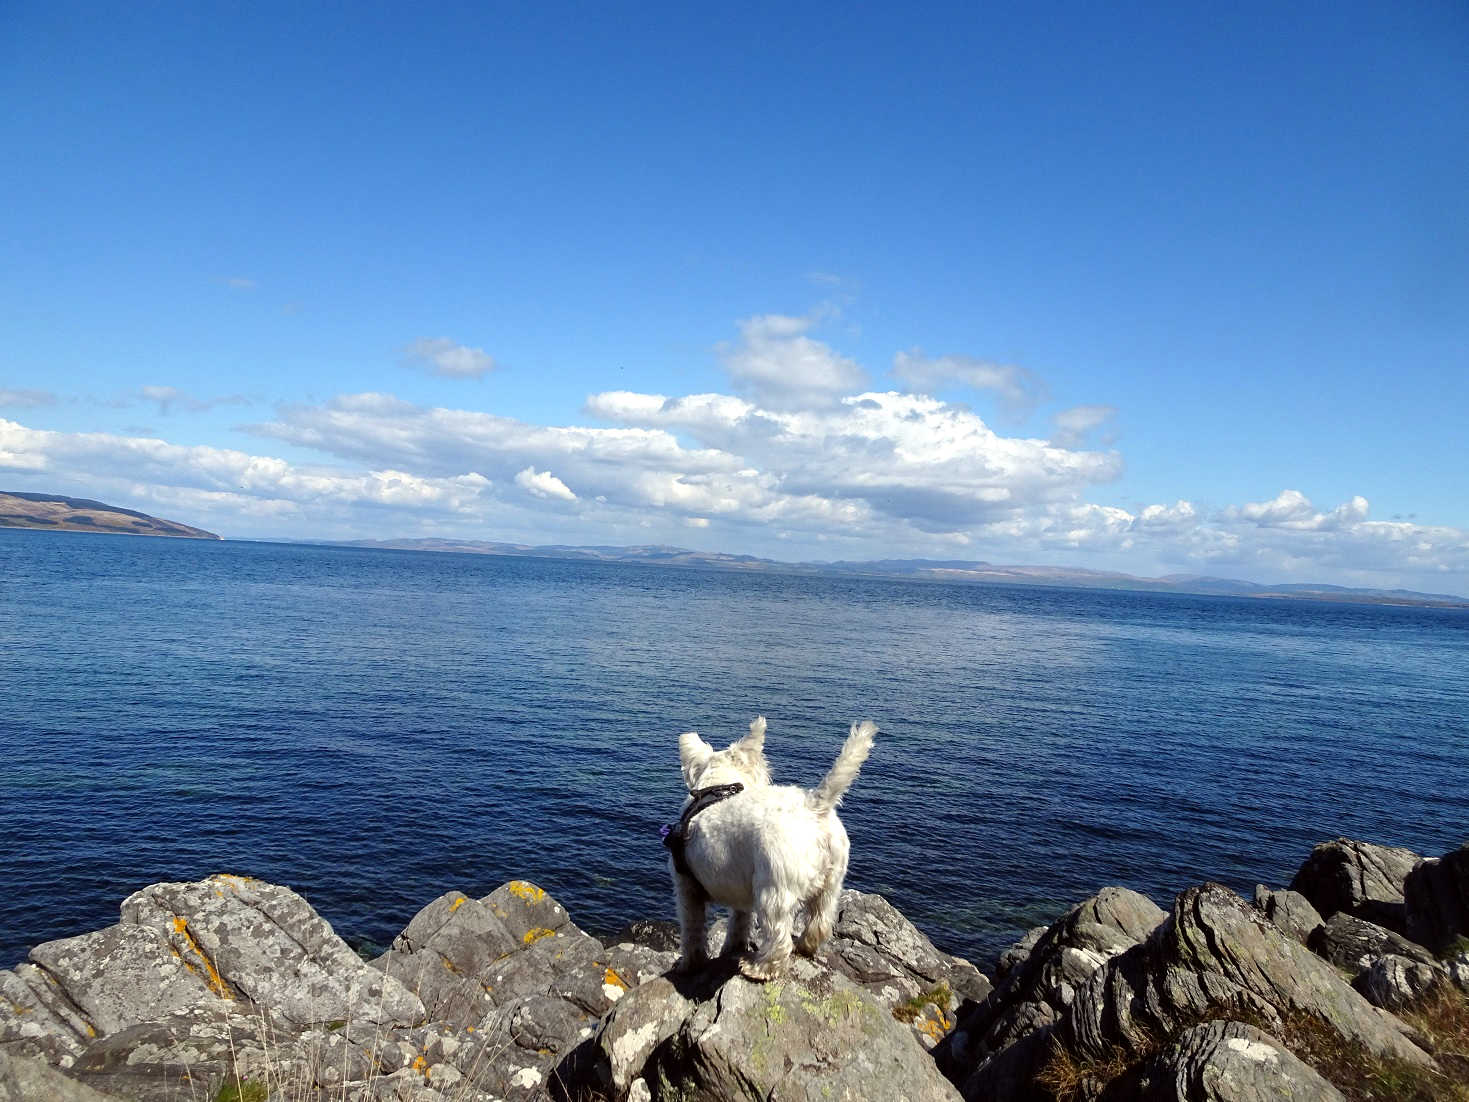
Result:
x=614 y=979
x=526 y=890
x=535 y=933
x=457 y=904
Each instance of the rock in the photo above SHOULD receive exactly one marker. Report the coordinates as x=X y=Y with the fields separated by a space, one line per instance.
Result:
x=1352 y=943
x=1223 y=1061
x=1394 y=982
x=125 y=975
x=874 y=946
x=29 y=1079
x=1218 y=956
x=654 y=934
x=1291 y=911
x=1038 y=986
x=1437 y=901
x=245 y=938
x=37 y=1018
x=814 y=1034
x=1018 y=953
x=1362 y=879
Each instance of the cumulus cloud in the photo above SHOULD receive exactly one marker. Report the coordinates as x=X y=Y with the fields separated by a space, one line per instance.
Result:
x=1291 y=509
x=543 y=484
x=775 y=363
x=441 y=356
x=26 y=399
x=144 y=466
x=1018 y=389
x=1075 y=425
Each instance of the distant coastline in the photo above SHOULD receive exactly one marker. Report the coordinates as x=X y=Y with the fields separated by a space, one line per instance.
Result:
x=53 y=512
x=924 y=570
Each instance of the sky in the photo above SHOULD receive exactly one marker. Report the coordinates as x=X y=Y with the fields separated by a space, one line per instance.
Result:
x=1159 y=288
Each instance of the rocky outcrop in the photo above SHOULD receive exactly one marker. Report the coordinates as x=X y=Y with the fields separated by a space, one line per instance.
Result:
x=1437 y=901
x=1040 y=976
x=1364 y=880
x=234 y=988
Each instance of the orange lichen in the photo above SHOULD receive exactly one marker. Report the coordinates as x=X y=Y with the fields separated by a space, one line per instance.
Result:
x=614 y=979
x=211 y=976
x=457 y=904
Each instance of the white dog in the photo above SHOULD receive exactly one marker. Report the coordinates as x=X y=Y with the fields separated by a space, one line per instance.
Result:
x=775 y=854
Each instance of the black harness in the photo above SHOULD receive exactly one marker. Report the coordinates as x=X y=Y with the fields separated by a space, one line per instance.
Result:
x=676 y=835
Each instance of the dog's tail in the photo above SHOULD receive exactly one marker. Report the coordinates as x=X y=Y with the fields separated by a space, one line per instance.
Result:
x=828 y=794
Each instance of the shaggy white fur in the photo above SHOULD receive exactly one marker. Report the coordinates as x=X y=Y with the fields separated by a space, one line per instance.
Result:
x=775 y=854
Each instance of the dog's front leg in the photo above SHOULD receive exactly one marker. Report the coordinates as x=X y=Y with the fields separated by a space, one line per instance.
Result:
x=692 y=906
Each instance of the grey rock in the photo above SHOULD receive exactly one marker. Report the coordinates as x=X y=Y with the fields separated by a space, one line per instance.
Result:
x=811 y=1035
x=1018 y=953
x=1395 y=982
x=1291 y=911
x=1458 y=969
x=659 y=935
x=1437 y=900
x=265 y=943
x=877 y=948
x=1360 y=878
x=1223 y=1061
x=1217 y=955
x=526 y=911
x=37 y=1018
x=636 y=1026
x=1353 y=943
x=31 y=1079
x=125 y=975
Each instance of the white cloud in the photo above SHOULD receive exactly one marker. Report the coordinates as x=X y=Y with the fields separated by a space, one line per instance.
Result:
x=26 y=399
x=1074 y=425
x=441 y=356
x=777 y=365
x=240 y=283
x=543 y=484
x=1019 y=390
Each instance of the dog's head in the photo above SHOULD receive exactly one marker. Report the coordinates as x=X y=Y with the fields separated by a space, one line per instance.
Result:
x=742 y=761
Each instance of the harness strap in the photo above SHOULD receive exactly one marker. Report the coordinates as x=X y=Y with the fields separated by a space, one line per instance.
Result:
x=676 y=835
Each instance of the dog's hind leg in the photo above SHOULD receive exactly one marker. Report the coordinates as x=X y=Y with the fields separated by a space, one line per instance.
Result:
x=692 y=914
x=777 y=917
x=821 y=918
x=738 y=938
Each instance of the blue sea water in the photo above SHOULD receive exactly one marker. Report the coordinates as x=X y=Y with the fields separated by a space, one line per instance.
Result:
x=374 y=728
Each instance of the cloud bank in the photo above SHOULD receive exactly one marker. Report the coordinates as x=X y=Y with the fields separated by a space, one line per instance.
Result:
x=805 y=460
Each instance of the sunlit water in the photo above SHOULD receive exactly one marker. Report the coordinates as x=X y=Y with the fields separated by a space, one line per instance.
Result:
x=374 y=728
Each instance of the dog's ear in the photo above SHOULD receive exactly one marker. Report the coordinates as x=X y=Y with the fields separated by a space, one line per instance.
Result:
x=754 y=742
x=693 y=754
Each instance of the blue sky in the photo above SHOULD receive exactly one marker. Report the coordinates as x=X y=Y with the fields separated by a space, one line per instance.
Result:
x=1159 y=288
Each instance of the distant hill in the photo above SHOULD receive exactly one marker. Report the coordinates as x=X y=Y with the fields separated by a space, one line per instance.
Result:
x=946 y=570
x=80 y=514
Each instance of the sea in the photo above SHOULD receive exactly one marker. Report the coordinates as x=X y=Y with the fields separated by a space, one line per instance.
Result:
x=374 y=728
